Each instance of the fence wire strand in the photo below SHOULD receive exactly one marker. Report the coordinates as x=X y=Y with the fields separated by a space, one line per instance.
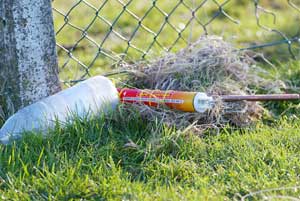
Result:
x=93 y=35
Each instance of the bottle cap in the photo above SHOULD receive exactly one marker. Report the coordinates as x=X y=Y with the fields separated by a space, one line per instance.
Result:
x=202 y=102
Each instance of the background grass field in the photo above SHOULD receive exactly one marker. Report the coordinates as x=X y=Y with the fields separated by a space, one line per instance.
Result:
x=123 y=157
x=94 y=18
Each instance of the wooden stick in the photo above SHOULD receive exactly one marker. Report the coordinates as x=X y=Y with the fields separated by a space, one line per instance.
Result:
x=261 y=97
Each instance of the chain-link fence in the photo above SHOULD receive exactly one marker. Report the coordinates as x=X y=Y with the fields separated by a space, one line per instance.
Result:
x=94 y=35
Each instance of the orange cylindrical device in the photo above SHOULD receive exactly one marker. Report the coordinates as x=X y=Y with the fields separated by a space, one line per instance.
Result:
x=179 y=100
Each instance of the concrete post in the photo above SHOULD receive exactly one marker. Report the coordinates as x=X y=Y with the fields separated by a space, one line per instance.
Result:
x=28 y=60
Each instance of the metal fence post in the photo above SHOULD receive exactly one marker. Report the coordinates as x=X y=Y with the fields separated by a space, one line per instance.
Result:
x=28 y=60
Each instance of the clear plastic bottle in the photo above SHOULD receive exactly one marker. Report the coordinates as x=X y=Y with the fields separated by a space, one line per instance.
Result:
x=97 y=94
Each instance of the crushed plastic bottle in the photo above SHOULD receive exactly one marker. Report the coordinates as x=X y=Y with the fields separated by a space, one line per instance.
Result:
x=97 y=94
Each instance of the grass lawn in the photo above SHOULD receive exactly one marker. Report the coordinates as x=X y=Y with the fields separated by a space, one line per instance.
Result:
x=123 y=157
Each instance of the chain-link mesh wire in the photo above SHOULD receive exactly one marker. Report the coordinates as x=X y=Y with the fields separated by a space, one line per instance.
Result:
x=94 y=35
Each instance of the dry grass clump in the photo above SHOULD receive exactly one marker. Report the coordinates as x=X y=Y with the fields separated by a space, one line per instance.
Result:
x=210 y=65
